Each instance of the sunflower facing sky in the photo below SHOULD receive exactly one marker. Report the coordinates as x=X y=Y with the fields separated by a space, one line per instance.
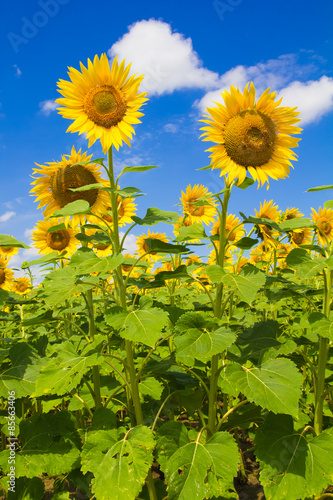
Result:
x=251 y=137
x=197 y=205
x=234 y=230
x=53 y=186
x=103 y=102
x=143 y=247
x=60 y=240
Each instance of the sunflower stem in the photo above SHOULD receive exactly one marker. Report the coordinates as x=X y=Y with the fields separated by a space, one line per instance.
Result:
x=92 y=331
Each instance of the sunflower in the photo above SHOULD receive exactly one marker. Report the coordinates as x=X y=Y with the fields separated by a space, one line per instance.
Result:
x=261 y=253
x=21 y=285
x=300 y=237
x=324 y=221
x=53 y=189
x=103 y=250
x=143 y=247
x=103 y=102
x=60 y=240
x=6 y=276
x=8 y=252
x=126 y=208
x=232 y=232
x=197 y=204
x=291 y=213
x=267 y=211
x=251 y=137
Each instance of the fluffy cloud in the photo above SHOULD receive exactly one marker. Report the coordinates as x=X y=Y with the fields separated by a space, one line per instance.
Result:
x=167 y=59
x=6 y=216
x=313 y=98
x=130 y=243
x=46 y=107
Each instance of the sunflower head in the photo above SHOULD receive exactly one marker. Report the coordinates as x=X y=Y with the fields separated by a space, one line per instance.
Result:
x=59 y=240
x=126 y=209
x=53 y=187
x=103 y=102
x=324 y=222
x=6 y=278
x=21 y=285
x=234 y=230
x=268 y=210
x=142 y=246
x=251 y=136
x=198 y=206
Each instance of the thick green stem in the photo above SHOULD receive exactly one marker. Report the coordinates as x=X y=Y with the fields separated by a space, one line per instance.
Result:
x=92 y=331
x=322 y=358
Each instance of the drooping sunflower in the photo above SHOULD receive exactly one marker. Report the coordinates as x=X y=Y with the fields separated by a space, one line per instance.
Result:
x=268 y=210
x=324 y=221
x=291 y=213
x=6 y=276
x=126 y=208
x=143 y=247
x=261 y=253
x=300 y=237
x=198 y=205
x=103 y=102
x=21 y=285
x=60 y=240
x=251 y=136
x=53 y=188
x=233 y=232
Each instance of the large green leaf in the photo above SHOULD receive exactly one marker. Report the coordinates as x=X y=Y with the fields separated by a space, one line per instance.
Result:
x=159 y=246
x=276 y=385
x=138 y=169
x=193 y=232
x=49 y=444
x=202 y=345
x=77 y=207
x=65 y=370
x=321 y=325
x=246 y=284
x=305 y=265
x=296 y=223
x=120 y=466
x=155 y=215
x=139 y=325
x=293 y=466
x=199 y=470
x=9 y=241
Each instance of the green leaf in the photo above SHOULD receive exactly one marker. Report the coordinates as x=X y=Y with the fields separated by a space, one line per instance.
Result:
x=64 y=370
x=321 y=325
x=170 y=437
x=127 y=192
x=248 y=181
x=293 y=466
x=88 y=187
x=257 y=220
x=306 y=267
x=151 y=387
x=77 y=207
x=276 y=385
x=296 y=223
x=328 y=204
x=138 y=169
x=194 y=232
x=159 y=246
x=319 y=188
x=49 y=445
x=215 y=273
x=46 y=259
x=119 y=466
x=140 y=325
x=246 y=284
x=202 y=345
x=199 y=471
x=245 y=243
x=27 y=489
x=9 y=241
x=180 y=272
x=155 y=215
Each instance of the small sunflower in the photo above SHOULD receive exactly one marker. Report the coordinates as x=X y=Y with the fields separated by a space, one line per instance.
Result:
x=143 y=247
x=300 y=237
x=261 y=253
x=197 y=204
x=103 y=250
x=268 y=210
x=8 y=252
x=21 y=285
x=53 y=189
x=324 y=221
x=126 y=208
x=6 y=277
x=233 y=232
x=60 y=240
x=103 y=102
x=251 y=137
x=291 y=213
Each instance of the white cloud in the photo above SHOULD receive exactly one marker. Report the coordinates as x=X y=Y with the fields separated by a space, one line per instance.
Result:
x=6 y=216
x=130 y=243
x=18 y=72
x=313 y=98
x=170 y=127
x=167 y=59
x=28 y=232
x=27 y=254
x=46 y=107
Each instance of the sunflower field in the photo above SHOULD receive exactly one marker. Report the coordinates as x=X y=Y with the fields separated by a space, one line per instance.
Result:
x=200 y=366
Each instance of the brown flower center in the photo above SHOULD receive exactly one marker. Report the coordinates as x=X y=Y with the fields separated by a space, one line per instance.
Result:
x=193 y=210
x=73 y=176
x=298 y=237
x=58 y=240
x=105 y=106
x=249 y=138
x=325 y=226
x=21 y=287
x=121 y=211
x=6 y=249
x=2 y=276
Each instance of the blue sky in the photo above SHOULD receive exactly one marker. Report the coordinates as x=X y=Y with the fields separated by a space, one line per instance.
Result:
x=189 y=52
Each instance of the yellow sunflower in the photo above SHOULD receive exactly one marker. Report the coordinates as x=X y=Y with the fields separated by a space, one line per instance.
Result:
x=60 y=240
x=126 y=208
x=8 y=252
x=103 y=102
x=103 y=250
x=143 y=247
x=57 y=178
x=251 y=137
x=291 y=213
x=6 y=277
x=300 y=237
x=268 y=210
x=261 y=253
x=233 y=232
x=197 y=204
x=21 y=285
x=324 y=221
